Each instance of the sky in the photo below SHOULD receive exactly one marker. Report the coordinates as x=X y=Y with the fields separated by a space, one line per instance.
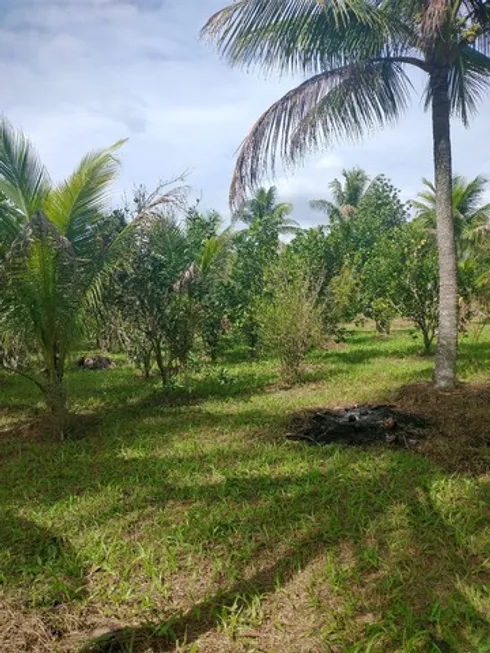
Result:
x=82 y=74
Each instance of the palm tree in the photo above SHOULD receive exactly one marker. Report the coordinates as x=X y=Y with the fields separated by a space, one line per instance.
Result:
x=355 y=54
x=346 y=195
x=471 y=214
x=263 y=208
x=54 y=257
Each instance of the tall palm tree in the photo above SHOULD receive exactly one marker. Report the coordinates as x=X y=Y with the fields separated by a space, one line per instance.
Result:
x=470 y=212
x=53 y=258
x=346 y=195
x=356 y=54
x=263 y=207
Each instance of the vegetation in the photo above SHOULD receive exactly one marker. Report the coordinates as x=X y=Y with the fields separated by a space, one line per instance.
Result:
x=182 y=521
x=290 y=316
x=52 y=259
x=181 y=512
x=356 y=55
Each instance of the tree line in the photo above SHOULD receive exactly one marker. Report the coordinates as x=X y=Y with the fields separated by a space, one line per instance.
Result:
x=168 y=285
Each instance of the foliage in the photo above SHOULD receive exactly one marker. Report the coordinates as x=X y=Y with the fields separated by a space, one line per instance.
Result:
x=353 y=241
x=402 y=276
x=346 y=195
x=289 y=314
x=54 y=259
x=165 y=290
x=471 y=213
x=256 y=247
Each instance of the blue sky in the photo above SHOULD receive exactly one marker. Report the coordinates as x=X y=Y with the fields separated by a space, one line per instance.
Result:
x=80 y=74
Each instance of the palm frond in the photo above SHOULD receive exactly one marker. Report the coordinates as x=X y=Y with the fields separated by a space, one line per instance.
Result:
x=469 y=82
x=76 y=204
x=332 y=105
x=23 y=179
x=296 y=35
x=323 y=206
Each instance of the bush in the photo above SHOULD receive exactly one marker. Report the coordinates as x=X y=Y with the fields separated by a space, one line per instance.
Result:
x=289 y=315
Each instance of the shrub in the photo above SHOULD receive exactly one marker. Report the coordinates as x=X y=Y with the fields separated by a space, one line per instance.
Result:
x=289 y=315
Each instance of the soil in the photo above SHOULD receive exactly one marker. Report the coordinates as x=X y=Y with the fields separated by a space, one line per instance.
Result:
x=360 y=426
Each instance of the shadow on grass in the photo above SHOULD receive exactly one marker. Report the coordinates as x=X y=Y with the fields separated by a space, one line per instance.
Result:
x=389 y=522
x=34 y=555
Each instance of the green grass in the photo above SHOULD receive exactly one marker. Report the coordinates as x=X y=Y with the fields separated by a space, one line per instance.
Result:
x=187 y=523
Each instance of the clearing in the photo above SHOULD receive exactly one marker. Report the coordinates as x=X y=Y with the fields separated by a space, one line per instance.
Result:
x=185 y=521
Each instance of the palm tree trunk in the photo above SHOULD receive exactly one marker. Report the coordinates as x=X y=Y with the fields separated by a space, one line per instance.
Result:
x=445 y=370
x=56 y=402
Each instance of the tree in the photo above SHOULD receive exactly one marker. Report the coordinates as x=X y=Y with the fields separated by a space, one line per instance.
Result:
x=54 y=259
x=346 y=196
x=263 y=208
x=256 y=247
x=356 y=54
x=161 y=290
x=402 y=275
x=289 y=314
x=471 y=214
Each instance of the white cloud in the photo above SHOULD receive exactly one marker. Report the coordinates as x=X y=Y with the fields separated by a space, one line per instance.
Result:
x=329 y=162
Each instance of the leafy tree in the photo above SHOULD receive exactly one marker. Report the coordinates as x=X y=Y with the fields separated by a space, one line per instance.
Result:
x=289 y=314
x=402 y=274
x=54 y=261
x=471 y=213
x=346 y=195
x=161 y=291
x=256 y=247
x=356 y=54
x=380 y=211
x=351 y=244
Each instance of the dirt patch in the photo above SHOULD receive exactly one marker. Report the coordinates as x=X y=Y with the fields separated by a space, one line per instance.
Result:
x=360 y=426
x=96 y=363
x=460 y=433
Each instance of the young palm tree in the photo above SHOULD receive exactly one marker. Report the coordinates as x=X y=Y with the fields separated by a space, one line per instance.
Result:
x=355 y=54
x=471 y=214
x=54 y=257
x=263 y=207
x=346 y=195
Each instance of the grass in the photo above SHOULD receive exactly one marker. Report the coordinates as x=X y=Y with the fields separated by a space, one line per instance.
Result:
x=185 y=522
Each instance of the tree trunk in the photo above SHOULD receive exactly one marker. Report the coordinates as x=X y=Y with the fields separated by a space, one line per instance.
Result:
x=56 y=402
x=445 y=370
x=162 y=368
x=427 y=341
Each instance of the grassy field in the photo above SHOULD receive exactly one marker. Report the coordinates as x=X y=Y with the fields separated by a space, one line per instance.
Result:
x=185 y=521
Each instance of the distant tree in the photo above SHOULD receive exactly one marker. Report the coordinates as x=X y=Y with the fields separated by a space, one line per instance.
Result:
x=470 y=211
x=256 y=247
x=168 y=274
x=263 y=208
x=346 y=195
x=289 y=314
x=402 y=275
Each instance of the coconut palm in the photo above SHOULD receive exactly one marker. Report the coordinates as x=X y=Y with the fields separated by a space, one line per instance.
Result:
x=471 y=213
x=346 y=195
x=356 y=55
x=53 y=258
x=263 y=207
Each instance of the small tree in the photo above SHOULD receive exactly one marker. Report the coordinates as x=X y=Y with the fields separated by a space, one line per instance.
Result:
x=256 y=247
x=289 y=315
x=167 y=276
x=53 y=259
x=403 y=275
